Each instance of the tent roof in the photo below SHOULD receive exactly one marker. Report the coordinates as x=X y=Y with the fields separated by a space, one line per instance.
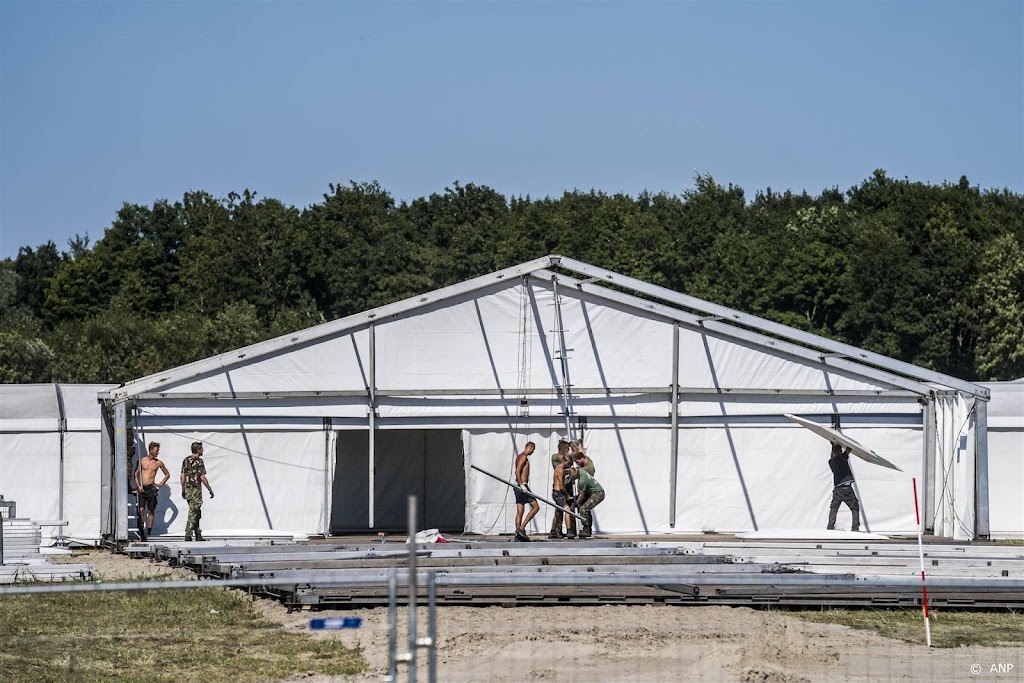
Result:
x=42 y=407
x=721 y=320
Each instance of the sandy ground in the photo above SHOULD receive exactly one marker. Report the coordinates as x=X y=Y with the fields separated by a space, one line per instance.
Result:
x=626 y=643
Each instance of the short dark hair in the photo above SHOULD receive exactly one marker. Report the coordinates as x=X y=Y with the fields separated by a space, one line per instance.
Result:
x=196 y=445
x=152 y=444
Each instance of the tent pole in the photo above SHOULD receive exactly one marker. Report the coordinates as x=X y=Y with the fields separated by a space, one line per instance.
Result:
x=372 y=418
x=328 y=480
x=566 y=386
x=121 y=470
x=62 y=428
x=928 y=469
x=675 y=427
x=981 y=502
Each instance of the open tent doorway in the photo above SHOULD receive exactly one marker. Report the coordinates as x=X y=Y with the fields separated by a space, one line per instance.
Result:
x=427 y=463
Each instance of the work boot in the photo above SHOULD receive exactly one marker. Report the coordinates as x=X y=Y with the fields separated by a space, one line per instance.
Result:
x=199 y=535
x=556 y=534
x=585 y=533
x=521 y=535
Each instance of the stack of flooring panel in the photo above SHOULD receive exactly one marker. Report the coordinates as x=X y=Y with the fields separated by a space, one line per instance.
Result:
x=488 y=572
x=23 y=561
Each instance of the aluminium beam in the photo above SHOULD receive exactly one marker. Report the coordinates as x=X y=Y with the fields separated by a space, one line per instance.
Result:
x=120 y=473
x=319 y=332
x=773 y=328
x=727 y=331
x=981 y=501
x=553 y=392
x=674 y=454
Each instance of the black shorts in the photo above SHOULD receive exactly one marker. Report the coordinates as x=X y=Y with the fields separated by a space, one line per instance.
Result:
x=560 y=498
x=523 y=499
x=149 y=495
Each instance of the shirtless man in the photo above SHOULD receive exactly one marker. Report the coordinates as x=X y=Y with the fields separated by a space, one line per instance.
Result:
x=145 y=483
x=561 y=491
x=522 y=499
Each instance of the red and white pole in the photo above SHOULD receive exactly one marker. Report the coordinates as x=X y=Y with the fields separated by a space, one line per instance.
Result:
x=920 y=554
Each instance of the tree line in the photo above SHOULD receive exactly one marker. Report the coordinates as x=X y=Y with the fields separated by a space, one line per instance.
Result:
x=932 y=274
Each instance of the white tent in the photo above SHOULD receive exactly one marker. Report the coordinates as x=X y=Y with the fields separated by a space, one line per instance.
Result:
x=50 y=438
x=1006 y=458
x=680 y=401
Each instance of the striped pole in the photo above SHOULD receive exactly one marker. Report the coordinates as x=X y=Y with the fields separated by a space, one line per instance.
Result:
x=924 y=585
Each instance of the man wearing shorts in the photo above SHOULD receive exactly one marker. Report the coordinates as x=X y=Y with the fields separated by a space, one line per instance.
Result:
x=149 y=490
x=523 y=499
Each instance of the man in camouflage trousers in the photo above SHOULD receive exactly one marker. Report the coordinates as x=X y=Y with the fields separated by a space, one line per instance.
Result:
x=193 y=478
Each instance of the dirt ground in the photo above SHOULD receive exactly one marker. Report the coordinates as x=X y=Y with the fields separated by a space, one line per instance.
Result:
x=626 y=643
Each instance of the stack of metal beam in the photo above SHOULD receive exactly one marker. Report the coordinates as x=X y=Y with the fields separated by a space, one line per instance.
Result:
x=23 y=560
x=489 y=572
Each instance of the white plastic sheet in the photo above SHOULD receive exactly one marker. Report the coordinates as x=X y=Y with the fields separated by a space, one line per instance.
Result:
x=262 y=479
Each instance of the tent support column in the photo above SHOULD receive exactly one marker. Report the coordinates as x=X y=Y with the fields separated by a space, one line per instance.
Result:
x=564 y=358
x=981 y=503
x=675 y=427
x=372 y=392
x=928 y=468
x=62 y=428
x=121 y=470
x=328 y=480
x=106 y=470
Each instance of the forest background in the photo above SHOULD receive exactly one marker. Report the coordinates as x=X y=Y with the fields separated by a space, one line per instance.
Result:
x=929 y=274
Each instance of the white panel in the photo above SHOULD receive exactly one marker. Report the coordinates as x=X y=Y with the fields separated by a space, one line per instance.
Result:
x=784 y=471
x=614 y=347
x=28 y=408
x=707 y=361
x=336 y=364
x=81 y=486
x=767 y=479
x=255 y=475
x=490 y=505
x=249 y=409
x=82 y=409
x=1005 y=483
x=30 y=474
x=467 y=343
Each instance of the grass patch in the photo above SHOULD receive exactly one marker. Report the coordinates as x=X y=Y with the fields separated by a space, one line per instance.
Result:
x=167 y=635
x=949 y=629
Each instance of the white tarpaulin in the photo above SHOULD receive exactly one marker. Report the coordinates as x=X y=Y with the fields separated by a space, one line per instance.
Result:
x=731 y=479
x=1006 y=459
x=954 y=467
x=261 y=479
x=36 y=451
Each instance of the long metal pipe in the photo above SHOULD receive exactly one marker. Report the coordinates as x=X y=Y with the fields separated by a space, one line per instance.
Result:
x=62 y=428
x=412 y=579
x=392 y=625
x=566 y=384
x=674 y=474
x=120 y=470
x=839 y=581
x=371 y=444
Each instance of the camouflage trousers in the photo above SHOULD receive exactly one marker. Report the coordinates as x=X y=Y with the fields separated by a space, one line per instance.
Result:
x=194 y=498
x=592 y=501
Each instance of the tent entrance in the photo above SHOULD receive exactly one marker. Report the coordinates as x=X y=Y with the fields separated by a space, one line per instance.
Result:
x=427 y=463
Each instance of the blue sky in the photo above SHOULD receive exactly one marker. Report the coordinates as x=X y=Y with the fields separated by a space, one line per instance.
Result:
x=109 y=102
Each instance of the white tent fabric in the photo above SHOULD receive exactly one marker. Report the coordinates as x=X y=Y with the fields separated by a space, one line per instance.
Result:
x=30 y=455
x=731 y=479
x=1006 y=459
x=954 y=470
x=262 y=479
x=486 y=361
